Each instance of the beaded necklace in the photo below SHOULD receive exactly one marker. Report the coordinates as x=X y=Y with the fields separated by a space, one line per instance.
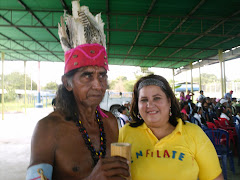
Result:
x=96 y=155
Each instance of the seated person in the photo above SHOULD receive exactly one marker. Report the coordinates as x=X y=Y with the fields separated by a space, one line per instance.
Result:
x=197 y=116
x=123 y=115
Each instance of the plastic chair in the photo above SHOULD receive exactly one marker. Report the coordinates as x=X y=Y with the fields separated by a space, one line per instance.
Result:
x=217 y=123
x=237 y=126
x=224 y=124
x=236 y=120
x=204 y=127
x=223 y=151
x=211 y=125
x=195 y=121
x=121 y=121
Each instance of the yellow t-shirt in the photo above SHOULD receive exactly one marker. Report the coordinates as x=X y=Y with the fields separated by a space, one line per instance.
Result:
x=185 y=154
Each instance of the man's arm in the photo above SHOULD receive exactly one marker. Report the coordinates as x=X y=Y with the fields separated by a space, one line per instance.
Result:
x=42 y=149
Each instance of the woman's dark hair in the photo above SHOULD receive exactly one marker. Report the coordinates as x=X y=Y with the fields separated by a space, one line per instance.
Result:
x=175 y=109
x=196 y=109
x=65 y=101
x=182 y=104
x=220 y=110
x=121 y=109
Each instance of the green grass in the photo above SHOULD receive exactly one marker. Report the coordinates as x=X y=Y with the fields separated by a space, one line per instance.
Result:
x=19 y=106
x=15 y=107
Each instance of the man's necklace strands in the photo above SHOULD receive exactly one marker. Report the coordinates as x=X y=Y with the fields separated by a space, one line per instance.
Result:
x=96 y=155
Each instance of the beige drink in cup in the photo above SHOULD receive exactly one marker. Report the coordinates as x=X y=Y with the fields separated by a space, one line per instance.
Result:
x=123 y=150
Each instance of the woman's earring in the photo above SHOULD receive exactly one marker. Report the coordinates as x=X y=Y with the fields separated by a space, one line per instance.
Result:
x=139 y=116
x=170 y=113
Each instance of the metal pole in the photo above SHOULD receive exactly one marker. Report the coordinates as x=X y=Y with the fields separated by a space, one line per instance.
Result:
x=39 y=104
x=191 y=81
x=2 y=86
x=25 y=87
x=39 y=97
x=200 y=81
x=173 y=86
x=186 y=84
x=224 y=78
x=221 y=70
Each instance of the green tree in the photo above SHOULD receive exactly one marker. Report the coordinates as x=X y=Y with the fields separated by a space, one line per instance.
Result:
x=10 y=95
x=51 y=86
x=237 y=80
x=16 y=80
x=118 y=84
x=121 y=84
x=207 y=79
x=129 y=85
x=142 y=72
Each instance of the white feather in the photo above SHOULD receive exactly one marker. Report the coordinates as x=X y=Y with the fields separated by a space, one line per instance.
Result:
x=101 y=28
x=82 y=28
x=63 y=36
x=75 y=8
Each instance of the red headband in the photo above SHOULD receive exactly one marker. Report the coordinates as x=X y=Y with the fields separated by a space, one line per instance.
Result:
x=86 y=55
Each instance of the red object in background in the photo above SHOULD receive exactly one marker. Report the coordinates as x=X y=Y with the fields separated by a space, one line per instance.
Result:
x=211 y=125
x=223 y=123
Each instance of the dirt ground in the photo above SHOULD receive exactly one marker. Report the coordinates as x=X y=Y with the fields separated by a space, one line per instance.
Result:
x=15 y=136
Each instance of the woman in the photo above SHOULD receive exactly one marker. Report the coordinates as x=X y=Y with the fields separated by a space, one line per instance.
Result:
x=182 y=97
x=197 y=116
x=123 y=118
x=184 y=108
x=163 y=146
x=222 y=112
x=189 y=95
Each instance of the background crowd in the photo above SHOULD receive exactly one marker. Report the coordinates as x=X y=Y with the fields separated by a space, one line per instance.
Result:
x=204 y=112
x=209 y=110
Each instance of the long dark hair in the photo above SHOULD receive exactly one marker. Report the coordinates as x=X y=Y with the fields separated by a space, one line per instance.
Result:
x=175 y=109
x=65 y=101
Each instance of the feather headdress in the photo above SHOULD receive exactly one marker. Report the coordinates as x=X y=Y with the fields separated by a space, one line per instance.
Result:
x=81 y=28
x=82 y=38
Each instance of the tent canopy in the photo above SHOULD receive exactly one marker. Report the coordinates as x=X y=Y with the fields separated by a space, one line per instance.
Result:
x=146 y=33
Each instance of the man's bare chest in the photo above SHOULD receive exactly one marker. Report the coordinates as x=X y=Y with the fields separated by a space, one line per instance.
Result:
x=73 y=157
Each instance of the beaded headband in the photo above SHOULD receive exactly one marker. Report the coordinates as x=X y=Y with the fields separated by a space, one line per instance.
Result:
x=151 y=81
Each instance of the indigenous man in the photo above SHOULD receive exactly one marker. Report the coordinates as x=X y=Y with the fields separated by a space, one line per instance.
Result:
x=73 y=142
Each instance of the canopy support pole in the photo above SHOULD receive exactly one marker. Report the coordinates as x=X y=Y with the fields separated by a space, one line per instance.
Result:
x=191 y=81
x=186 y=83
x=2 y=85
x=173 y=86
x=200 y=80
x=224 y=78
x=39 y=104
x=25 y=87
x=221 y=70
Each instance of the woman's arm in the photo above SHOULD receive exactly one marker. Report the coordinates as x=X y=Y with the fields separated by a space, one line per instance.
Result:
x=220 y=177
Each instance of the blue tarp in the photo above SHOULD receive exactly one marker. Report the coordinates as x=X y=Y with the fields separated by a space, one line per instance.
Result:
x=183 y=87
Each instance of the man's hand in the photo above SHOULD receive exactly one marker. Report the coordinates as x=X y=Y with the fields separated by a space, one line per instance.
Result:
x=114 y=168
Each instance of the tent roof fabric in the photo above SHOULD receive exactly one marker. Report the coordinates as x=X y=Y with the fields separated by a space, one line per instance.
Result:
x=145 y=33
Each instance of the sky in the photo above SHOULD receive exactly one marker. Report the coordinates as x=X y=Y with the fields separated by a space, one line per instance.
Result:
x=52 y=71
